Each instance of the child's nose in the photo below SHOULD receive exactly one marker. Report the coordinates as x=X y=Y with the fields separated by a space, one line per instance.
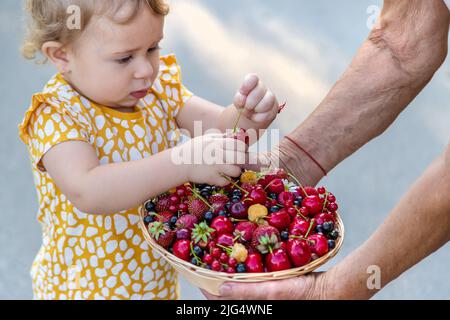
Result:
x=144 y=70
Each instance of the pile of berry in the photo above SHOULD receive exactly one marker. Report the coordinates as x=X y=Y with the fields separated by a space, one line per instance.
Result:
x=259 y=223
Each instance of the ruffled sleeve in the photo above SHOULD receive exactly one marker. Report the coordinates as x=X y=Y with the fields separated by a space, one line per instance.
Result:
x=170 y=85
x=46 y=125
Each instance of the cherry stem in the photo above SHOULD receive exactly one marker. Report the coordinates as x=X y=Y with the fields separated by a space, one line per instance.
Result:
x=326 y=201
x=237 y=121
x=234 y=183
x=298 y=182
x=311 y=223
x=300 y=214
x=197 y=195
x=227 y=249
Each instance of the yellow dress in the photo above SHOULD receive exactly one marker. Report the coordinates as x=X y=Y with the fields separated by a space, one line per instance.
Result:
x=86 y=256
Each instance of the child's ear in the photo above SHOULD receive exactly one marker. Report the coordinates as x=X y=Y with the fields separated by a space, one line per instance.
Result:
x=57 y=54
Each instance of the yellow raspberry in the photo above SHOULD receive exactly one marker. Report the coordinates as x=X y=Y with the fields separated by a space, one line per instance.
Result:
x=239 y=253
x=250 y=177
x=257 y=212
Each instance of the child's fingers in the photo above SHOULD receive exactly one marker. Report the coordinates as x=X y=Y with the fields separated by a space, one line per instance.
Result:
x=249 y=84
x=231 y=171
x=267 y=103
x=233 y=157
x=255 y=97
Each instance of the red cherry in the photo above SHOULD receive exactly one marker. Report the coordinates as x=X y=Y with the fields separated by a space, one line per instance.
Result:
x=299 y=252
x=223 y=258
x=321 y=218
x=173 y=208
x=292 y=212
x=278 y=260
x=216 y=266
x=332 y=207
x=222 y=225
x=331 y=198
x=258 y=195
x=208 y=259
x=254 y=264
x=232 y=262
x=183 y=207
x=280 y=220
x=238 y=211
x=300 y=227
x=276 y=186
x=182 y=249
x=304 y=211
x=286 y=198
x=216 y=252
x=310 y=191
x=211 y=245
x=321 y=190
x=313 y=203
x=231 y=270
x=318 y=244
x=181 y=193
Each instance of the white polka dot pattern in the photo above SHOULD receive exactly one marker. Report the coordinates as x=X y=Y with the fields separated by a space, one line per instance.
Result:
x=86 y=256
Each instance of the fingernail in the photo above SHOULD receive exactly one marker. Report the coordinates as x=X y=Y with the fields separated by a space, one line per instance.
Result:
x=225 y=290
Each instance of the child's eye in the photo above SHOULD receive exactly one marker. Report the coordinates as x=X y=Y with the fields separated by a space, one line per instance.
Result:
x=151 y=50
x=124 y=60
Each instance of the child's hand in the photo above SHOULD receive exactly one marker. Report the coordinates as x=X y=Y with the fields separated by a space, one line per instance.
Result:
x=260 y=104
x=208 y=158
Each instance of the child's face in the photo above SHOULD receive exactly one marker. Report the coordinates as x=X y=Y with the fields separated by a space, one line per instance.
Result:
x=113 y=64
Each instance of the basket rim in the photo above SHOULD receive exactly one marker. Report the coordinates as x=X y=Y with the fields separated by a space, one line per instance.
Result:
x=242 y=277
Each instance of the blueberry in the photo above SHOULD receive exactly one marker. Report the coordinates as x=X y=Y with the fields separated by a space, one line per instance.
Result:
x=228 y=206
x=205 y=194
x=331 y=244
x=194 y=261
x=170 y=249
x=334 y=234
x=173 y=220
x=235 y=199
x=274 y=209
x=223 y=213
x=297 y=203
x=241 y=268
x=237 y=193
x=273 y=196
x=148 y=219
x=284 y=235
x=319 y=229
x=209 y=216
x=328 y=226
x=150 y=206
x=300 y=199
x=198 y=251
x=208 y=267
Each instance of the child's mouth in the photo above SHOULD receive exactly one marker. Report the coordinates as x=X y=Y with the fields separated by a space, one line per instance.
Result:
x=139 y=94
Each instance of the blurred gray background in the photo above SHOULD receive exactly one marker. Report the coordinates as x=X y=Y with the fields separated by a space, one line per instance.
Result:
x=299 y=48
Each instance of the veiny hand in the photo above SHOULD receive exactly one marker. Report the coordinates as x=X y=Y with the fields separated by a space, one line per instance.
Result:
x=207 y=158
x=308 y=287
x=258 y=103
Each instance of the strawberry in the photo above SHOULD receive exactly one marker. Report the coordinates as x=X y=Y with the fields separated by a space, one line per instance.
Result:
x=164 y=217
x=244 y=231
x=163 y=203
x=187 y=221
x=162 y=234
x=197 y=208
x=202 y=234
x=265 y=239
x=219 y=198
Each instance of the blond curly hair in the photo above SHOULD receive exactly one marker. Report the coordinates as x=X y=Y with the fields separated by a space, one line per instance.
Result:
x=48 y=19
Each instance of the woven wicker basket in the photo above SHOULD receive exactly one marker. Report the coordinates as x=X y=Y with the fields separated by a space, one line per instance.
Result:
x=211 y=280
